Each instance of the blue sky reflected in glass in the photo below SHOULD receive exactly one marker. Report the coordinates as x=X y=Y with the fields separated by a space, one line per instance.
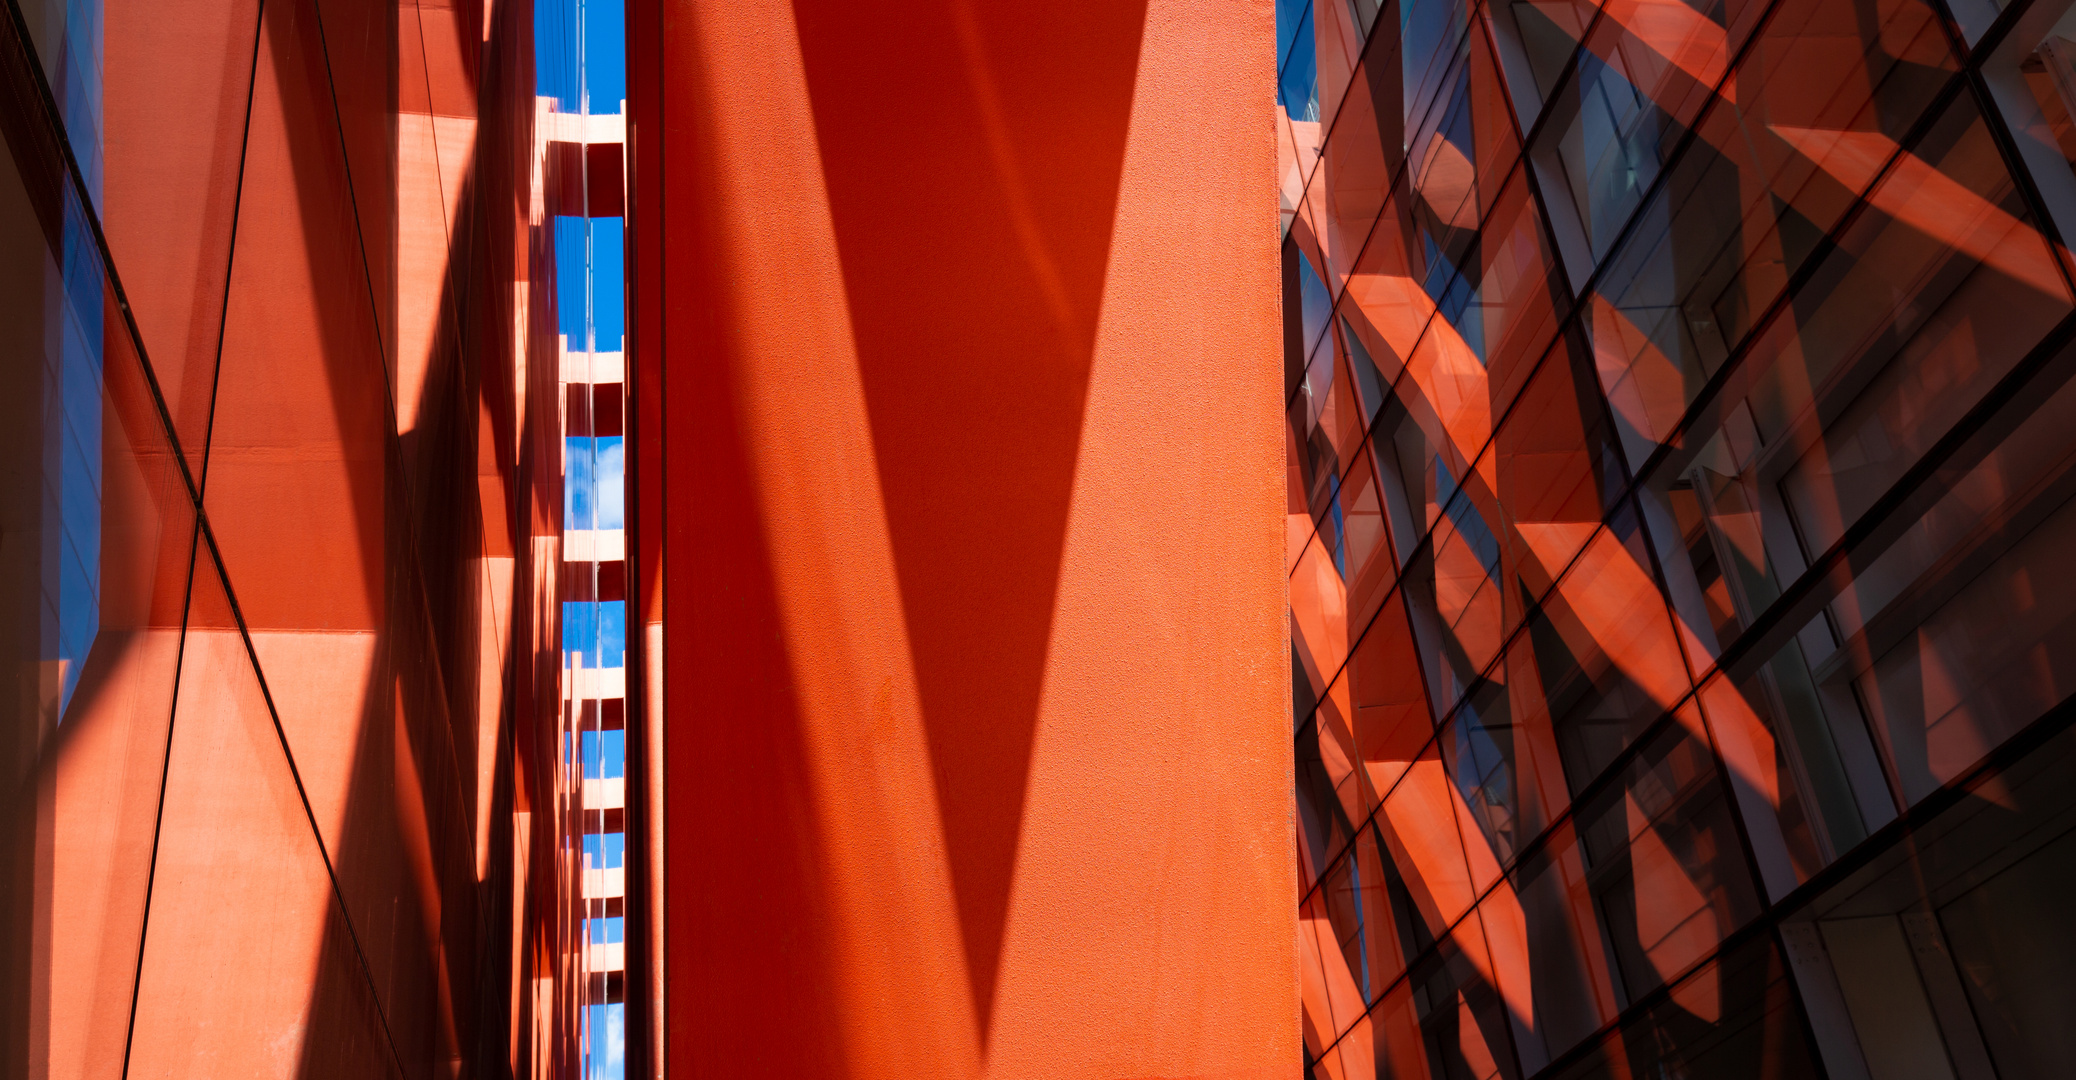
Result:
x=605 y=754
x=599 y=631
x=594 y=489
x=603 y=265
x=604 y=54
x=605 y=851
x=580 y=60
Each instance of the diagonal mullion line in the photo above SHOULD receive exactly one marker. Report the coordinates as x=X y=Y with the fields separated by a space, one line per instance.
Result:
x=353 y=204
x=1632 y=480
x=302 y=792
x=1807 y=589
x=159 y=815
x=53 y=128
x=187 y=598
x=223 y=314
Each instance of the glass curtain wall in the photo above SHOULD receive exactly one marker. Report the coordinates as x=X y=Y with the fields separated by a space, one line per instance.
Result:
x=1680 y=456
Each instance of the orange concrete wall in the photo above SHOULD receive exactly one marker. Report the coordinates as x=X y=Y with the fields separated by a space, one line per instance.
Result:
x=977 y=727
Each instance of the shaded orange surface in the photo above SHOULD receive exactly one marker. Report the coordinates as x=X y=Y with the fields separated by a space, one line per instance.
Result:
x=341 y=938
x=173 y=142
x=972 y=153
x=975 y=653
x=295 y=481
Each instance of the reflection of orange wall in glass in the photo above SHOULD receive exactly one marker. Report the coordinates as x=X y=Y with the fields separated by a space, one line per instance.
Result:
x=971 y=313
x=1672 y=394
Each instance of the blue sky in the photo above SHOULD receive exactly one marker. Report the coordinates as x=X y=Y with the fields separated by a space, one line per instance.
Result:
x=555 y=54
x=594 y=489
x=604 y=754
x=605 y=851
x=604 y=266
x=599 y=631
x=580 y=59
x=608 y=1033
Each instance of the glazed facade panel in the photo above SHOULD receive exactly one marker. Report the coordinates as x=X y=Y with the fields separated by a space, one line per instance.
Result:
x=1676 y=468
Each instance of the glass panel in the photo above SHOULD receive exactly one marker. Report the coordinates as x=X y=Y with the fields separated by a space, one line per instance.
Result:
x=1334 y=796
x=1342 y=27
x=1502 y=755
x=1552 y=956
x=1316 y=1005
x=1605 y=657
x=1421 y=830
x=1407 y=451
x=1820 y=101
x=1461 y=1015
x=2031 y=76
x=1392 y=720
x=1364 y=161
x=1982 y=665
x=68 y=37
x=1554 y=476
x=1367 y=565
x=1514 y=310
x=1355 y=1056
x=1976 y=548
x=1734 y=1018
x=1319 y=616
x=1334 y=998
x=1297 y=90
x=1948 y=944
x=1537 y=40
x=1664 y=860
x=1304 y=292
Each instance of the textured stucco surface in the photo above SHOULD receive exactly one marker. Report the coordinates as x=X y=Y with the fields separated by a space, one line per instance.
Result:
x=815 y=871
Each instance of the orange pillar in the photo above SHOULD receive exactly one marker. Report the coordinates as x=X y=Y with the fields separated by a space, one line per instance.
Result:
x=977 y=734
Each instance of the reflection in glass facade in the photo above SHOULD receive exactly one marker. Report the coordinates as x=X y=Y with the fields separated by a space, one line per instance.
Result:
x=1679 y=400
x=57 y=421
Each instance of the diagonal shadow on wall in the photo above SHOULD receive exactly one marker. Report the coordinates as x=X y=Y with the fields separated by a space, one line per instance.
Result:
x=972 y=153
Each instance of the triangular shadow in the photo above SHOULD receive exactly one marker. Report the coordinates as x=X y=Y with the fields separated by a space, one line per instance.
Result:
x=972 y=153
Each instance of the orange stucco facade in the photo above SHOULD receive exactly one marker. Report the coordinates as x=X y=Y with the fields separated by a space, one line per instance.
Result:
x=963 y=320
